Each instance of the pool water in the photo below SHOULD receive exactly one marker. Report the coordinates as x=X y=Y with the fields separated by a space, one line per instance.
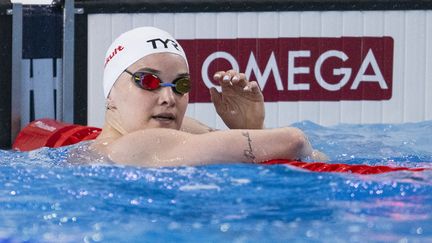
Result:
x=45 y=199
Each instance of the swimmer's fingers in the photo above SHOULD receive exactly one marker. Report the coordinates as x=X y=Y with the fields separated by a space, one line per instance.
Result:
x=252 y=87
x=224 y=79
x=218 y=76
x=236 y=78
x=229 y=79
x=233 y=79
x=216 y=98
x=240 y=80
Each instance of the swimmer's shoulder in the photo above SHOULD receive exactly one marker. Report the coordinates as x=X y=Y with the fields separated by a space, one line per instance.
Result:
x=87 y=153
x=101 y=145
x=140 y=147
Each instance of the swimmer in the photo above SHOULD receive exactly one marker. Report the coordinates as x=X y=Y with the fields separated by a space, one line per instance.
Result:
x=146 y=86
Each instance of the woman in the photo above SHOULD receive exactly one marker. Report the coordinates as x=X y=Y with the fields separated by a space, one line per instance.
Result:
x=146 y=85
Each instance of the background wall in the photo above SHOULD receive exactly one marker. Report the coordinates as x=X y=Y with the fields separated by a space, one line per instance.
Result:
x=411 y=31
x=399 y=30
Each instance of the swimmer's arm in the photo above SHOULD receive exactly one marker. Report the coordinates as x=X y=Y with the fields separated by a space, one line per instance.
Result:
x=166 y=147
x=193 y=126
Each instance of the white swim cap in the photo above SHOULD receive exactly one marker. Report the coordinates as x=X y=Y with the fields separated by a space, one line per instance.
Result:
x=133 y=45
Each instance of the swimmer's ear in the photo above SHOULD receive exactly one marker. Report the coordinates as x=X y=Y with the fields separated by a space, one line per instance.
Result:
x=109 y=104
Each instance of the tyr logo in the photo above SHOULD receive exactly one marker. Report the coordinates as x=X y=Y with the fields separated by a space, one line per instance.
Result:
x=165 y=43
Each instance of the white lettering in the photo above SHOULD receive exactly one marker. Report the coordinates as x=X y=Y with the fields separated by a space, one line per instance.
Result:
x=346 y=72
x=292 y=70
x=210 y=59
x=252 y=66
x=44 y=126
x=272 y=67
x=362 y=77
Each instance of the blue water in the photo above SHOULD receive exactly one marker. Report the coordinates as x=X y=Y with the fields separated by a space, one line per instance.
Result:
x=45 y=199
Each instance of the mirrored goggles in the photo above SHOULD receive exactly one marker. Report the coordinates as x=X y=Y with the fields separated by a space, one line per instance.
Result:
x=149 y=81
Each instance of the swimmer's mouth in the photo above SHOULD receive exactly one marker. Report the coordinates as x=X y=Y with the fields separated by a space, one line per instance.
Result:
x=164 y=117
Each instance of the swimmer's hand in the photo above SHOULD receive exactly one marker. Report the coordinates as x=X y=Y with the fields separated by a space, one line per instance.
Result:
x=241 y=103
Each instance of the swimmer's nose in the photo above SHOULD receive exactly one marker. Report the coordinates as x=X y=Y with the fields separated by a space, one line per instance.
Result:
x=166 y=96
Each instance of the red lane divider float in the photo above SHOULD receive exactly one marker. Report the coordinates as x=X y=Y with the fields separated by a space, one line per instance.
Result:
x=342 y=168
x=52 y=133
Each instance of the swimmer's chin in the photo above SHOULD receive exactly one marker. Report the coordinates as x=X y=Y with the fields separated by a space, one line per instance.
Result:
x=165 y=123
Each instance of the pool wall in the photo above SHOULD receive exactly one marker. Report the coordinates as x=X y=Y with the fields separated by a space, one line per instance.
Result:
x=386 y=48
x=5 y=73
x=31 y=66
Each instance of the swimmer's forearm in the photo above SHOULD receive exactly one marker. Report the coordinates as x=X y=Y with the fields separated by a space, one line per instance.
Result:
x=252 y=146
x=166 y=147
x=283 y=143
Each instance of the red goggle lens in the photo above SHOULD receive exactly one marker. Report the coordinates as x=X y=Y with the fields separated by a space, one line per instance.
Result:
x=149 y=81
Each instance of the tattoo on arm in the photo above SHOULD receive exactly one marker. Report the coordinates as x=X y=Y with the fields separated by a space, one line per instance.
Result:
x=248 y=153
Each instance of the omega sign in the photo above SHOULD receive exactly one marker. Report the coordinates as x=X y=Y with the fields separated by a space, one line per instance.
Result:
x=297 y=69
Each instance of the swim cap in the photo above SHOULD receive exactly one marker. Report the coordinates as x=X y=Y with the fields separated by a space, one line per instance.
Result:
x=133 y=45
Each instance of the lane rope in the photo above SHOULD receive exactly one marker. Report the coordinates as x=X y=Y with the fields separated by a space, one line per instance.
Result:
x=341 y=168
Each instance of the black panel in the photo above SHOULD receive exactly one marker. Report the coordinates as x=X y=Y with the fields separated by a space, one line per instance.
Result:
x=140 y=6
x=42 y=31
x=5 y=80
x=4 y=6
x=80 y=72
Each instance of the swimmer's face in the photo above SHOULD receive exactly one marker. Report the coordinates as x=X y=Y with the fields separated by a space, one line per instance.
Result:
x=136 y=108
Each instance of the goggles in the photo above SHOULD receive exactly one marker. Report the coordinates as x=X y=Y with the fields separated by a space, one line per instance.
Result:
x=149 y=81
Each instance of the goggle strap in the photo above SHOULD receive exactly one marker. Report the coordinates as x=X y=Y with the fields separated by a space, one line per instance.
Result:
x=167 y=84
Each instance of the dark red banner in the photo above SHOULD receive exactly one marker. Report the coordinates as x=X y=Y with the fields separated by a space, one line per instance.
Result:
x=297 y=69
